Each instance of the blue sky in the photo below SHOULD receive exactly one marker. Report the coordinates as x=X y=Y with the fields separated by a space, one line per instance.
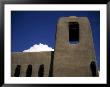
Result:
x=34 y=27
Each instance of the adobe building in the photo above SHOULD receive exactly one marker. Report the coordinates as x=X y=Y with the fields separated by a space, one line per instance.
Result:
x=24 y=59
x=73 y=55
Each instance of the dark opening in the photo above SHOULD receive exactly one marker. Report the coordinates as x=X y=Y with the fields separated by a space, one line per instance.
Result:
x=29 y=71
x=17 y=71
x=51 y=64
x=41 y=71
x=73 y=32
x=93 y=68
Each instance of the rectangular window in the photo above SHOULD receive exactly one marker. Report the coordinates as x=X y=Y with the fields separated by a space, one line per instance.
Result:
x=73 y=32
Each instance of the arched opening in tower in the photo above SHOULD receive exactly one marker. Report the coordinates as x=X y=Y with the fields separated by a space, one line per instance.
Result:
x=73 y=32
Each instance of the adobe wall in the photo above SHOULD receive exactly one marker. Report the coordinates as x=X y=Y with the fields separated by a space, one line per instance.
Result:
x=71 y=60
x=33 y=58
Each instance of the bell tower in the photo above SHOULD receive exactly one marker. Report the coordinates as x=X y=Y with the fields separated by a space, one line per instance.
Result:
x=74 y=50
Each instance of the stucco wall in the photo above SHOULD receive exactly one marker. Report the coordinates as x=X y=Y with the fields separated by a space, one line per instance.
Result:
x=73 y=59
x=33 y=58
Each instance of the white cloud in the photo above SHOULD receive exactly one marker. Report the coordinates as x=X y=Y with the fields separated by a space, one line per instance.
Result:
x=38 y=48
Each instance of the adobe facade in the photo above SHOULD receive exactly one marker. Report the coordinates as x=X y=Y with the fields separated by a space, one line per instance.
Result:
x=73 y=59
x=33 y=58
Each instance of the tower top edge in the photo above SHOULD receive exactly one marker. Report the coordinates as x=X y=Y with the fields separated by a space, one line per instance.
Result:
x=73 y=17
